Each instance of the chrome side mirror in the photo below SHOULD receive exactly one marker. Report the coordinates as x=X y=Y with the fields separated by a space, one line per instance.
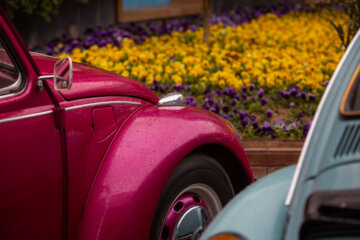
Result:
x=63 y=74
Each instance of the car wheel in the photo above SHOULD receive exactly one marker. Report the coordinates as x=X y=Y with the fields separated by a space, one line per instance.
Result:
x=195 y=193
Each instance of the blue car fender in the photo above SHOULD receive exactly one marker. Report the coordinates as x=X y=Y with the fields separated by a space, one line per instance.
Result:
x=258 y=212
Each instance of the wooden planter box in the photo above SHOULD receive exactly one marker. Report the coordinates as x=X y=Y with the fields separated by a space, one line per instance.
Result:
x=267 y=156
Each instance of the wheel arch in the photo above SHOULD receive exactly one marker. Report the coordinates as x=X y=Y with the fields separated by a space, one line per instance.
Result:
x=141 y=159
x=232 y=166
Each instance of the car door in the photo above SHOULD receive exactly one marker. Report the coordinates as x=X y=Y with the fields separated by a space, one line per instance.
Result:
x=31 y=175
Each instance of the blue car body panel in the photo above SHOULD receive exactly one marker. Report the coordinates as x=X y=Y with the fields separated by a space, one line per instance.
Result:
x=331 y=137
x=261 y=204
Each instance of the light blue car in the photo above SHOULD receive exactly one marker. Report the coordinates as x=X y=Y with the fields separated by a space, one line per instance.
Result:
x=320 y=197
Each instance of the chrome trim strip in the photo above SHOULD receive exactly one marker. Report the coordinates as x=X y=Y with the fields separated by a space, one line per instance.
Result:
x=8 y=95
x=46 y=77
x=101 y=103
x=307 y=141
x=7 y=120
x=14 y=85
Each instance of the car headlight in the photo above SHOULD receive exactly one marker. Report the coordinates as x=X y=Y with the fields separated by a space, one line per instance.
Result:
x=226 y=236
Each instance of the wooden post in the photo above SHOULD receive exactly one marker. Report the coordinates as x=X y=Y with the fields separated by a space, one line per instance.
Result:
x=207 y=15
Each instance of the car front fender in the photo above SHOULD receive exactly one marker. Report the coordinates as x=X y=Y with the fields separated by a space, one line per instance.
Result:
x=258 y=212
x=146 y=150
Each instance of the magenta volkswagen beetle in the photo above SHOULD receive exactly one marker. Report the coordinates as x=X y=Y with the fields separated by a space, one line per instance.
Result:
x=87 y=154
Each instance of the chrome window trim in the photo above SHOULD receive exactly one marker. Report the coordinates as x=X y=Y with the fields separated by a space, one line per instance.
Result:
x=101 y=103
x=15 y=93
x=15 y=85
x=8 y=49
x=314 y=123
x=13 y=119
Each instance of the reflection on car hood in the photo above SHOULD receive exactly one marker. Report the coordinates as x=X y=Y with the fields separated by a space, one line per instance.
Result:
x=91 y=81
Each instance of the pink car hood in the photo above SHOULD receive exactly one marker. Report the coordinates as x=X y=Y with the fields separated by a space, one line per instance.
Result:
x=91 y=81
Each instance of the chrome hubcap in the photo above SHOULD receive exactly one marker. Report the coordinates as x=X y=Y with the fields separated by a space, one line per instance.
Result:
x=190 y=213
x=191 y=224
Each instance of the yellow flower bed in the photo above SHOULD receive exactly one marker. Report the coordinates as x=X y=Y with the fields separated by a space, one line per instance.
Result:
x=300 y=48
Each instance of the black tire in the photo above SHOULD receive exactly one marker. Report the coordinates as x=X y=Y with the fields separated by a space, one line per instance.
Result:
x=193 y=174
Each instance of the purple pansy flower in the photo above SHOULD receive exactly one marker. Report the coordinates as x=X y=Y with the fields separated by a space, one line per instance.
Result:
x=217 y=107
x=311 y=97
x=210 y=101
x=293 y=90
x=244 y=122
x=234 y=102
x=307 y=128
x=263 y=101
x=193 y=104
x=189 y=100
x=244 y=96
x=219 y=93
x=279 y=122
x=205 y=106
x=261 y=93
x=177 y=87
x=242 y=115
x=266 y=125
x=303 y=95
x=230 y=92
x=207 y=91
x=286 y=95
x=269 y=113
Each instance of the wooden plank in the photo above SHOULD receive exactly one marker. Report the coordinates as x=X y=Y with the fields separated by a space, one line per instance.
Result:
x=272 y=144
x=268 y=149
x=271 y=159
x=259 y=172
x=267 y=156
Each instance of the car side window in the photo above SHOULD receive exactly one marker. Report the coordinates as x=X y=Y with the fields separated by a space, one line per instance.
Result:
x=10 y=79
x=350 y=104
